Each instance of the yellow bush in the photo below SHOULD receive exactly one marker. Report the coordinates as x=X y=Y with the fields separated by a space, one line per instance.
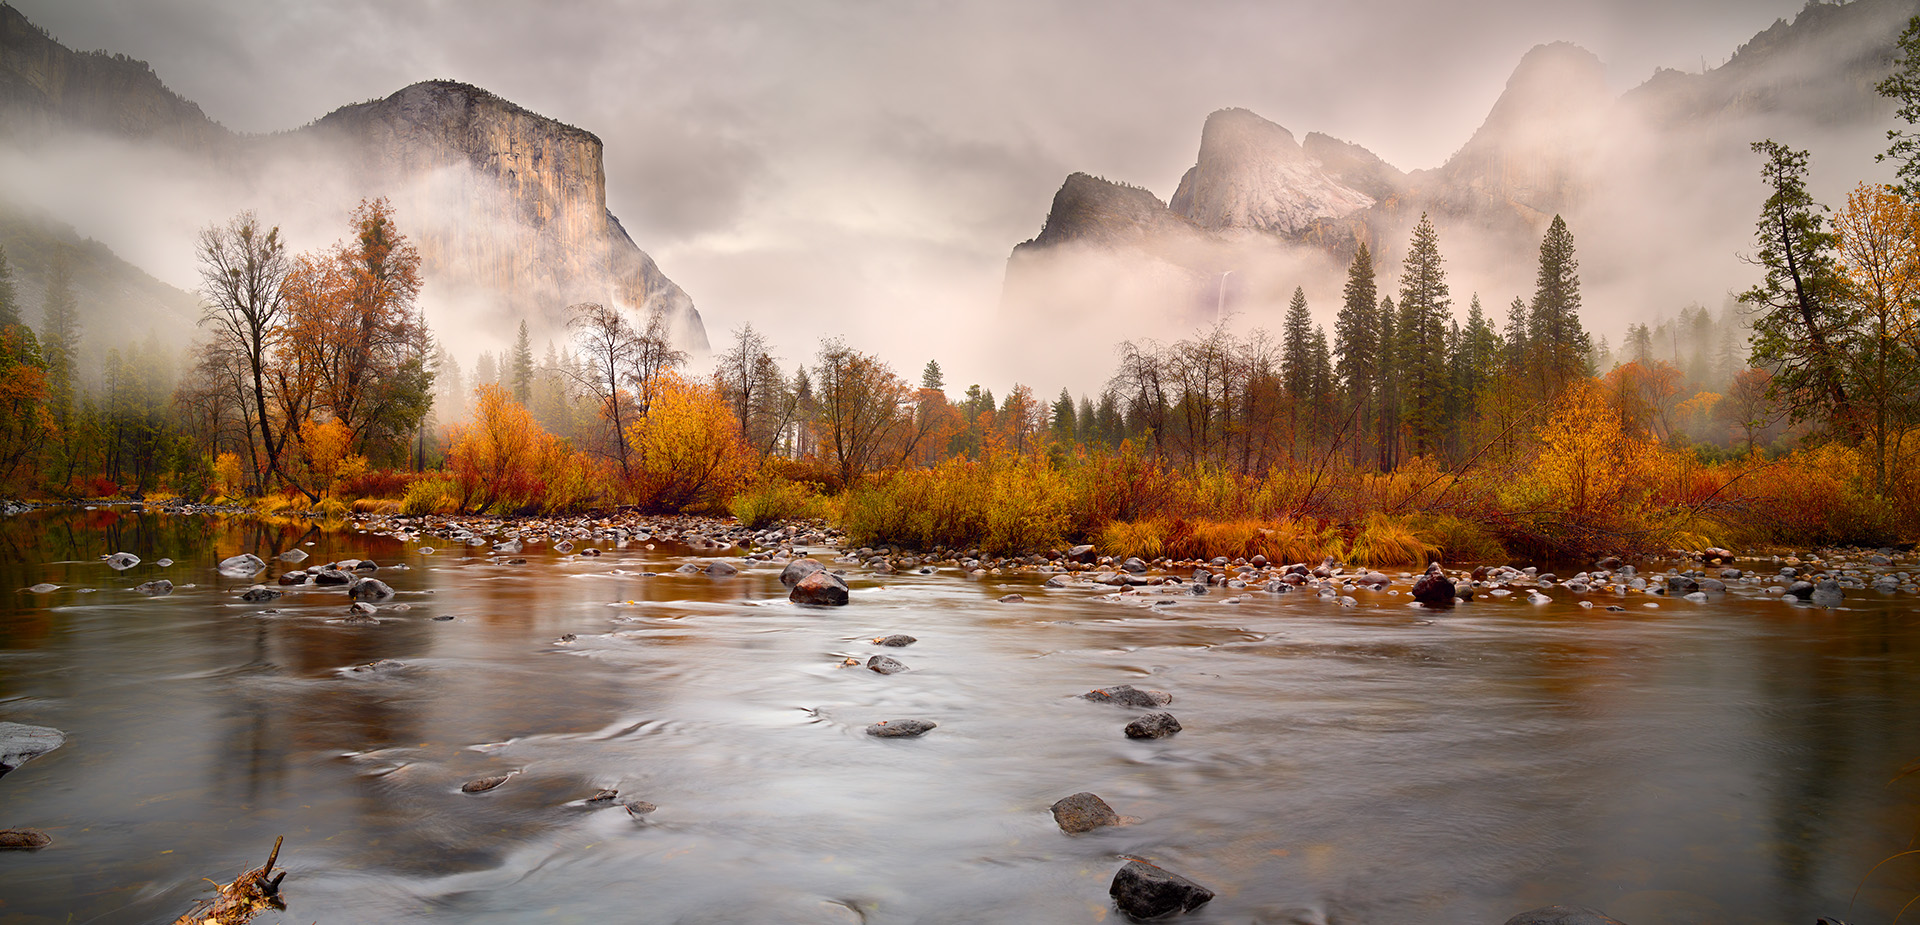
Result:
x=688 y=452
x=1385 y=540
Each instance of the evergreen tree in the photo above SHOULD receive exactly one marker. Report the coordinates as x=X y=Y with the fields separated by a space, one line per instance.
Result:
x=1425 y=309
x=9 y=302
x=1296 y=347
x=1066 y=422
x=1085 y=419
x=1386 y=388
x=1356 y=343
x=1904 y=85
x=1515 y=357
x=1558 y=346
x=932 y=378
x=1639 y=344
x=520 y=369
x=1802 y=325
x=1320 y=384
x=60 y=337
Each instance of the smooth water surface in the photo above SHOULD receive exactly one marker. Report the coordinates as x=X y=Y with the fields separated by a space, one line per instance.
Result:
x=1726 y=762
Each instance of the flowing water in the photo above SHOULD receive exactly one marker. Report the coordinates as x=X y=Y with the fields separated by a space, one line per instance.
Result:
x=1725 y=762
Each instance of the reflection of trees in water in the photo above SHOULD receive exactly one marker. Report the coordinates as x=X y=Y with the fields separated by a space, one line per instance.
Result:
x=1843 y=710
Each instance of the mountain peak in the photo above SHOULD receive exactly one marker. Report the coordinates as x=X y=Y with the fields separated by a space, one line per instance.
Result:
x=1252 y=174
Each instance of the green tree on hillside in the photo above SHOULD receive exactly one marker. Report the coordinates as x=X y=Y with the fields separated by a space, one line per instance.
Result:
x=1356 y=344
x=520 y=367
x=1557 y=345
x=1425 y=309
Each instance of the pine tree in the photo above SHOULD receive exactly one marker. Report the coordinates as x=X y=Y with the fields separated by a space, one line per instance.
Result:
x=60 y=337
x=1356 y=342
x=1515 y=356
x=1386 y=388
x=1801 y=329
x=1320 y=385
x=9 y=302
x=1296 y=347
x=1557 y=345
x=1425 y=309
x=1066 y=423
x=520 y=368
x=932 y=378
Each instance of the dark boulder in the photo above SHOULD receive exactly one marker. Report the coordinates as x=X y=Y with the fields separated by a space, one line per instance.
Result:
x=1562 y=915
x=1153 y=726
x=885 y=665
x=1801 y=589
x=24 y=839
x=292 y=578
x=369 y=589
x=258 y=593
x=901 y=728
x=331 y=576
x=1607 y=564
x=821 y=588
x=1082 y=554
x=156 y=588
x=1127 y=695
x=1827 y=594
x=1013 y=599
x=21 y=743
x=1434 y=589
x=1134 y=565
x=1083 y=812
x=722 y=569
x=1145 y=891
x=897 y=640
x=484 y=784
x=799 y=569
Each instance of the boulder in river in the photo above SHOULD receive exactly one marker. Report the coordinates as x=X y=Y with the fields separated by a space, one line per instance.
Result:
x=244 y=565
x=885 y=665
x=331 y=576
x=294 y=555
x=1801 y=589
x=901 y=728
x=1153 y=726
x=722 y=569
x=21 y=743
x=259 y=593
x=1827 y=594
x=24 y=839
x=369 y=589
x=295 y=577
x=1127 y=695
x=1562 y=915
x=43 y=588
x=1434 y=588
x=798 y=569
x=484 y=784
x=156 y=588
x=1082 y=554
x=819 y=587
x=121 y=561
x=1083 y=812
x=1146 y=891
x=896 y=640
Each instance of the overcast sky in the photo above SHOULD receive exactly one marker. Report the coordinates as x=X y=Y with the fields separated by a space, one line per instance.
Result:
x=841 y=159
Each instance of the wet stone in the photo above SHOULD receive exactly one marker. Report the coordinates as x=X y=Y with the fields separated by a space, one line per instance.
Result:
x=258 y=593
x=43 y=588
x=369 y=589
x=821 y=588
x=1083 y=812
x=799 y=569
x=1146 y=891
x=23 y=839
x=121 y=561
x=1013 y=599
x=155 y=588
x=638 y=808
x=1127 y=695
x=244 y=565
x=884 y=665
x=901 y=728
x=21 y=743
x=483 y=784
x=1153 y=726
x=293 y=578
x=897 y=640
x=1562 y=915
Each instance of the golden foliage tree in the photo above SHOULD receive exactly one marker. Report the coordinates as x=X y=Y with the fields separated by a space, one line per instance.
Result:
x=687 y=449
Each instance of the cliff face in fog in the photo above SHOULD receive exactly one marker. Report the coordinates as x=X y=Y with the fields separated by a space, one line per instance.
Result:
x=515 y=203
x=45 y=85
x=1251 y=174
x=508 y=207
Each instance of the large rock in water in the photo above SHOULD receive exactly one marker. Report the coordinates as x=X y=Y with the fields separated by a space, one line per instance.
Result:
x=1434 y=588
x=244 y=565
x=821 y=588
x=1127 y=695
x=20 y=743
x=1827 y=594
x=798 y=569
x=1083 y=812
x=1145 y=891
x=1562 y=915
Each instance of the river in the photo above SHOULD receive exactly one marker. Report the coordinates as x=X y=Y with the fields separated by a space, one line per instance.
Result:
x=1731 y=761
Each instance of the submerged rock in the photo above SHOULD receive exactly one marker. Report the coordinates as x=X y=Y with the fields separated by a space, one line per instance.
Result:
x=121 y=561
x=24 y=839
x=1827 y=594
x=901 y=728
x=484 y=784
x=1083 y=812
x=1146 y=891
x=244 y=565
x=799 y=569
x=885 y=665
x=1153 y=726
x=43 y=588
x=21 y=743
x=1562 y=915
x=293 y=555
x=1127 y=695
x=896 y=640
x=258 y=593
x=156 y=588
x=369 y=589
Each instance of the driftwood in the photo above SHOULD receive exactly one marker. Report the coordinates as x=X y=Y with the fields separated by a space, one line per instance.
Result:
x=248 y=895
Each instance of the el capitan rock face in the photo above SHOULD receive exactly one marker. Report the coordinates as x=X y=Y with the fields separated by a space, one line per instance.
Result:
x=508 y=207
x=490 y=163
x=1251 y=174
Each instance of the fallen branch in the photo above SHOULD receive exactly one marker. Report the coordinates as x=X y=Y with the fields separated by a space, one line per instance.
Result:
x=248 y=895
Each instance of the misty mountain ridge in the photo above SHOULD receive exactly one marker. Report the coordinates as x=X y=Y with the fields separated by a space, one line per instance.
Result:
x=507 y=207
x=1275 y=214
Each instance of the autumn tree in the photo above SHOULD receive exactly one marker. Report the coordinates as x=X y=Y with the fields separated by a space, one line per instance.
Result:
x=863 y=407
x=243 y=271
x=1878 y=239
x=1800 y=326
x=607 y=345
x=653 y=356
x=9 y=299
x=687 y=447
x=1903 y=85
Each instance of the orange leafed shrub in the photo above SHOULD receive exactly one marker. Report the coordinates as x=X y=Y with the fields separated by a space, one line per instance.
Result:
x=504 y=462
x=327 y=451
x=688 y=451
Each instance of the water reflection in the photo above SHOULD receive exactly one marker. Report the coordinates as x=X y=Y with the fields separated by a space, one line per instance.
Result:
x=1725 y=762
